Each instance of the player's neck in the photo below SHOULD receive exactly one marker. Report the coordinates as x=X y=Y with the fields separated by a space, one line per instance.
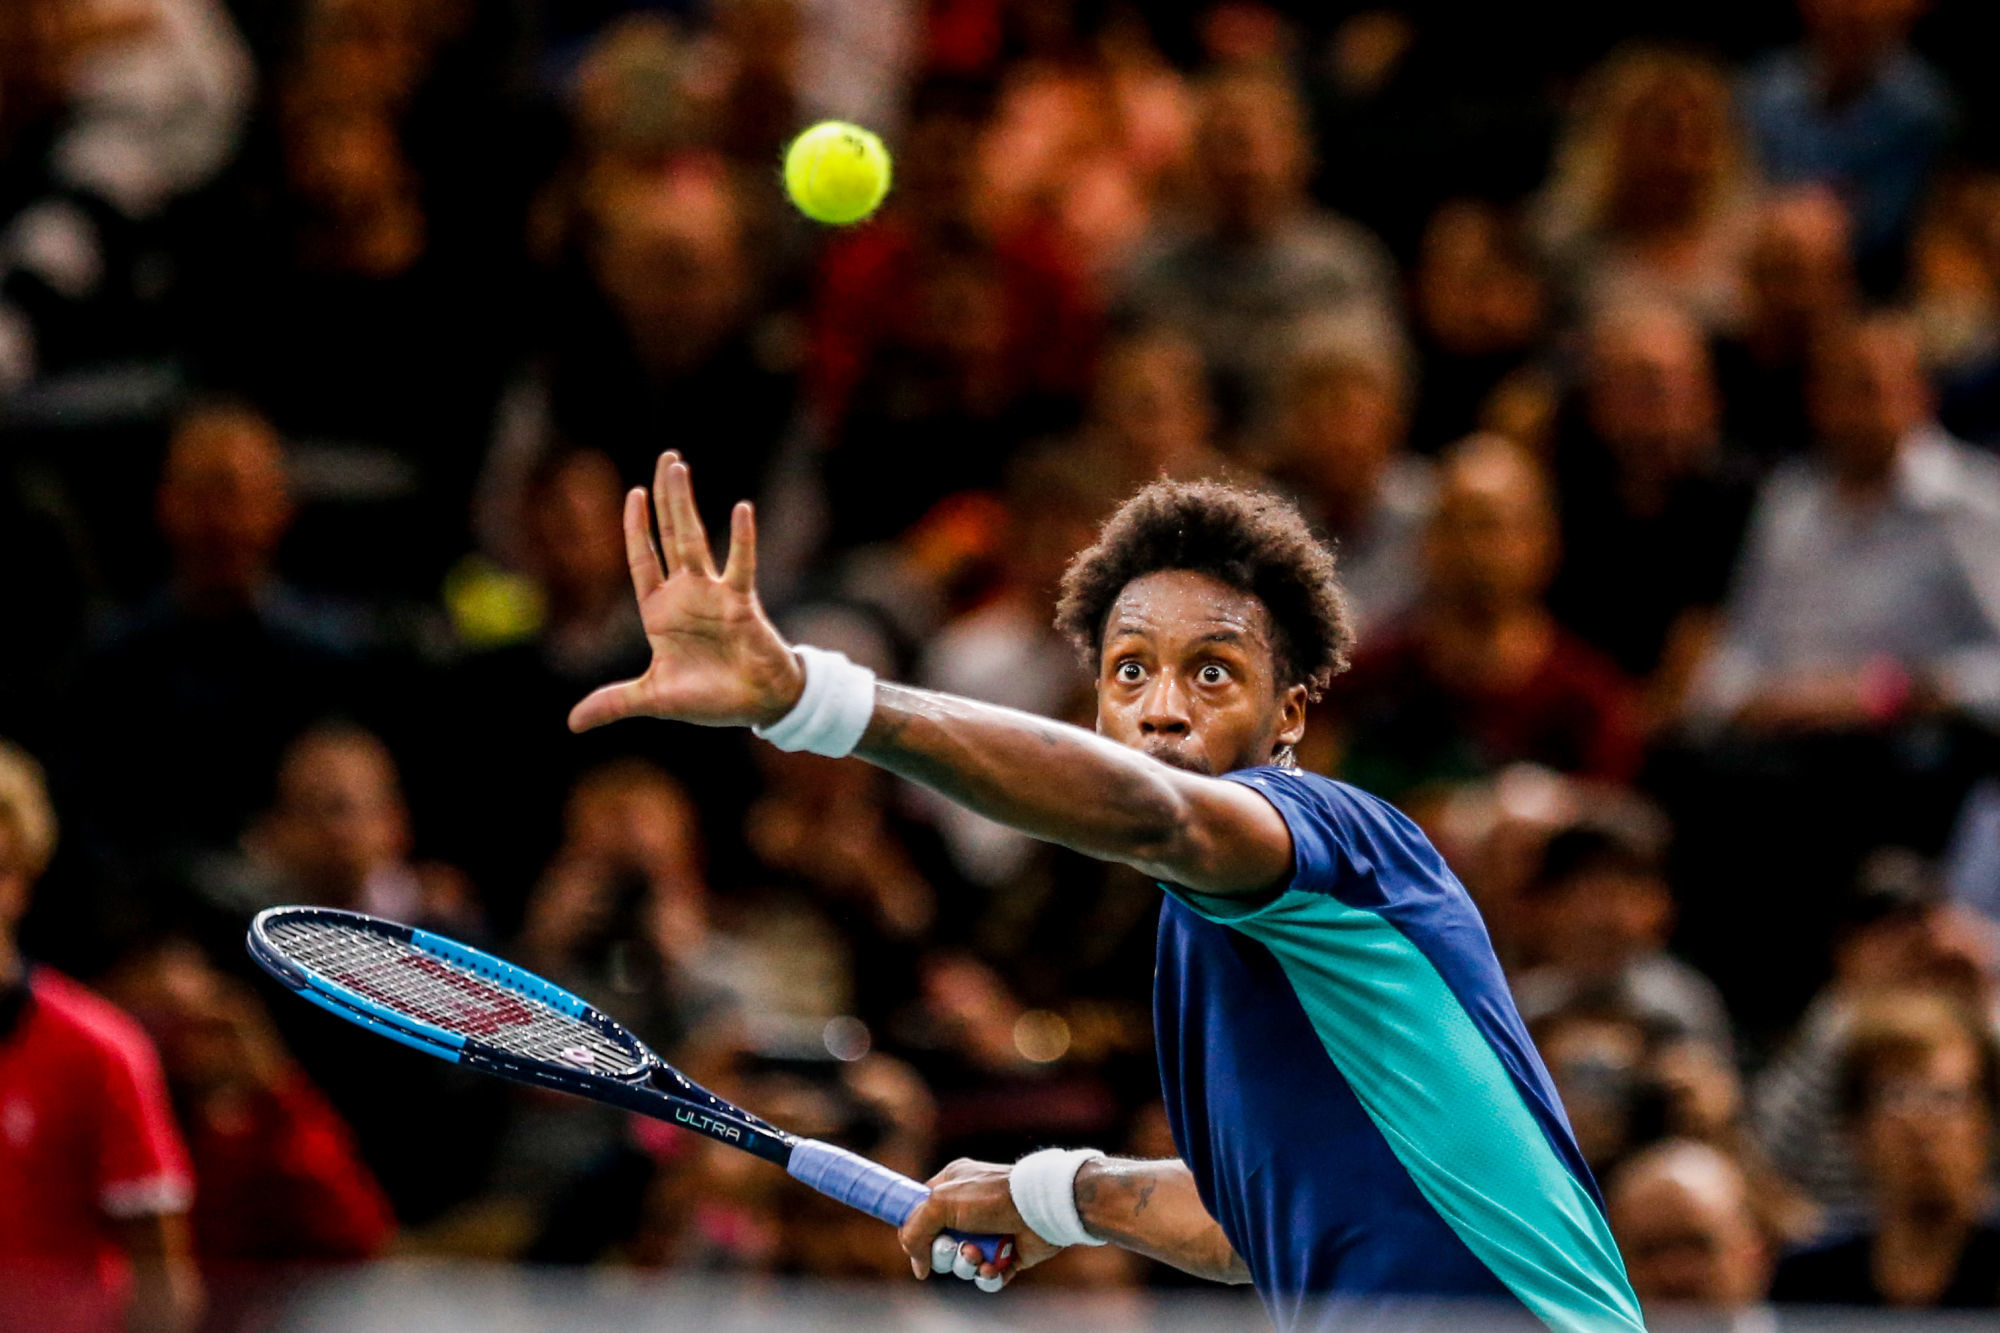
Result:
x=11 y=967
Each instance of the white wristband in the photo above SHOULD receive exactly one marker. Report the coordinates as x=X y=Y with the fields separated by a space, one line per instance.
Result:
x=1043 y=1185
x=833 y=710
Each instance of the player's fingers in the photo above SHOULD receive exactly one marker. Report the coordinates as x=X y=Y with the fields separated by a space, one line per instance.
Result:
x=608 y=703
x=663 y=512
x=639 y=552
x=689 y=535
x=740 y=570
x=916 y=1235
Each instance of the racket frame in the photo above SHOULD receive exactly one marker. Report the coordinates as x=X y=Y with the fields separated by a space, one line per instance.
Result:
x=854 y=1180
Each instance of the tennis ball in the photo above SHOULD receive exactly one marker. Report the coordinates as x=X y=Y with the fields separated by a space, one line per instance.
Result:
x=836 y=172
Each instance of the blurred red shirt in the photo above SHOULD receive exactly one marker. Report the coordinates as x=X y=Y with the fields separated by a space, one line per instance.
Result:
x=87 y=1139
x=282 y=1182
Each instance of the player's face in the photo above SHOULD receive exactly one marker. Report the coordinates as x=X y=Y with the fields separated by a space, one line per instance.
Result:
x=1188 y=676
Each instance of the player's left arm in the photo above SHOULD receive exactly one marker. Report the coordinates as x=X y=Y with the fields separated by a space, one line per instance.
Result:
x=718 y=661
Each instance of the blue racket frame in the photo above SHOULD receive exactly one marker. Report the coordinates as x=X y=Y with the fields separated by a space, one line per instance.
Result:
x=833 y=1171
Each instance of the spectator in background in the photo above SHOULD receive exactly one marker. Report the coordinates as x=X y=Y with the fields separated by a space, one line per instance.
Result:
x=509 y=760
x=338 y=835
x=1151 y=413
x=658 y=334
x=179 y=713
x=1342 y=411
x=277 y=1174
x=1600 y=915
x=1686 y=1223
x=1798 y=282
x=1869 y=590
x=623 y=914
x=1258 y=258
x=1479 y=307
x=115 y=110
x=1650 y=200
x=1854 y=108
x=1480 y=674
x=94 y=1183
x=1919 y=1090
x=1896 y=934
x=1955 y=299
x=863 y=309
x=1652 y=511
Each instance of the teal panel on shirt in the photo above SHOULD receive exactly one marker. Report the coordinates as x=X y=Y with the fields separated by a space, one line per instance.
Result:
x=1444 y=1103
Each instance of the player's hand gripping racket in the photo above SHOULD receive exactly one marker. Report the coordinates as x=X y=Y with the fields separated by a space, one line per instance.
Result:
x=459 y=1004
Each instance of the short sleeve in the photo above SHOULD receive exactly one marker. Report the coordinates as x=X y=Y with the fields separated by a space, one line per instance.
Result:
x=142 y=1166
x=1347 y=845
x=1321 y=840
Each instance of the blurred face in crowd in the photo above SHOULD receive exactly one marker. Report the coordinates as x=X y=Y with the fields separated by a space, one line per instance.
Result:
x=1595 y=1063
x=1188 y=675
x=1651 y=392
x=14 y=885
x=573 y=533
x=1867 y=393
x=1925 y=1133
x=340 y=815
x=1852 y=34
x=1492 y=540
x=629 y=817
x=1342 y=421
x=1937 y=946
x=1474 y=295
x=343 y=160
x=27 y=838
x=670 y=259
x=1152 y=399
x=1670 y=146
x=1682 y=1216
x=376 y=50
x=223 y=504
x=935 y=167
x=1253 y=153
x=1602 y=918
x=1799 y=271
x=199 y=1018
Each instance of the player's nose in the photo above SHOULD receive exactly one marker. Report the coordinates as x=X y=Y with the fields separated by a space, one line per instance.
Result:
x=1163 y=710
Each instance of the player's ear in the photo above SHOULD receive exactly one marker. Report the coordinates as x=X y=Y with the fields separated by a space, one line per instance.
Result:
x=1292 y=715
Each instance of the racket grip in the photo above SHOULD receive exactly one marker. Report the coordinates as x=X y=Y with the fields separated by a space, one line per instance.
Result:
x=889 y=1196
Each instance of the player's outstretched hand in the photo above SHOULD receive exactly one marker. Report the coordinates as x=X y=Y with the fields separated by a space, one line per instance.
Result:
x=717 y=660
x=972 y=1197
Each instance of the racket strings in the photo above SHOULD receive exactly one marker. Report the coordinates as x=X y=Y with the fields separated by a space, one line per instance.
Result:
x=446 y=994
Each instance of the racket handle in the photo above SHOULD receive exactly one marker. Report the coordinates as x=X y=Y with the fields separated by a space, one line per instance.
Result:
x=873 y=1188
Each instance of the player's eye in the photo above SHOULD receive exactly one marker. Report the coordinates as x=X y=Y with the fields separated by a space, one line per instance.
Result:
x=1212 y=674
x=1129 y=672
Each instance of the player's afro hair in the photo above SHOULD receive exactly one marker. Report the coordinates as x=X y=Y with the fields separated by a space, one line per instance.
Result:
x=1250 y=540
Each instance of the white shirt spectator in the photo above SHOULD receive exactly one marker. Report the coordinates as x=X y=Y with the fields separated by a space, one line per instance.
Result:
x=1829 y=585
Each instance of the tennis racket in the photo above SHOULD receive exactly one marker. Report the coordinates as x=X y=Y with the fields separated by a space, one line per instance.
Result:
x=446 y=999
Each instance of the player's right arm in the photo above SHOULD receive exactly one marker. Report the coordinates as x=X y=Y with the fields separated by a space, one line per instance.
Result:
x=1148 y=1207
x=717 y=661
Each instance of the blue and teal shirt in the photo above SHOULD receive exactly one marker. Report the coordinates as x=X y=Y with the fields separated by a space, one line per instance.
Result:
x=1350 y=1082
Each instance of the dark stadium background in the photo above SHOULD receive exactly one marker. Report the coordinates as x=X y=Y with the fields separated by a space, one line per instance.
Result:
x=1643 y=360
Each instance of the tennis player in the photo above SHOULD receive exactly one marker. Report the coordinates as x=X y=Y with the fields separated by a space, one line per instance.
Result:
x=1360 y=1115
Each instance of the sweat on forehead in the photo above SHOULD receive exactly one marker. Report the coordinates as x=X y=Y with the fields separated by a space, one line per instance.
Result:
x=1185 y=601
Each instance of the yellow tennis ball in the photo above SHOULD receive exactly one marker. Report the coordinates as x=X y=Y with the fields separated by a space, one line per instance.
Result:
x=836 y=172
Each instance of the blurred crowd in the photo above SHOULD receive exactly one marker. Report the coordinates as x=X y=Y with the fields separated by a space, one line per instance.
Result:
x=1643 y=364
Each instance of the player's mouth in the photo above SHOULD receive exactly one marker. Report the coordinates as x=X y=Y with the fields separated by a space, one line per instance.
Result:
x=1187 y=763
